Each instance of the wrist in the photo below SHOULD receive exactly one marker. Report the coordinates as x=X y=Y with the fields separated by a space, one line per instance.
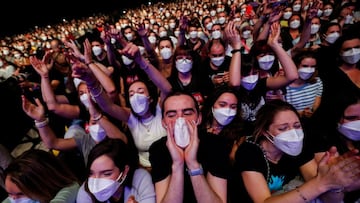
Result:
x=196 y=171
x=90 y=62
x=41 y=122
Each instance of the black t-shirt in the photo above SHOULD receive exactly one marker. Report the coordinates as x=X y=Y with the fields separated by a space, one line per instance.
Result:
x=210 y=73
x=198 y=87
x=250 y=157
x=212 y=155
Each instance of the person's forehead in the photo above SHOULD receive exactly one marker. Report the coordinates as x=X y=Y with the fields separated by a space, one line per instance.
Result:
x=179 y=102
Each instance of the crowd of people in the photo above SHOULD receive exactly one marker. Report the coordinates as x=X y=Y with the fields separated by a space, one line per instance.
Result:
x=191 y=101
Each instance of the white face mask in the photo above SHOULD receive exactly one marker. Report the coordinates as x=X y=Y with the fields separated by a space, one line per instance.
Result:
x=129 y=36
x=351 y=56
x=201 y=35
x=222 y=20
x=249 y=82
x=306 y=72
x=332 y=37
x=319 y=13
x=172 y=25
x=103 y=188
x=246 y=34
x=96 y=50
x=142 y=50
x=224 y=115
x=127 y=61
x=97 y=133
x=348 y=19
x=266 y=62
x=351 y=130
x=176 y=33
x=295 y=24
x=22 y=200
x=327 y=12
x=314 y=28
x=165 y=53
x=163 y=33
x=84 y=98
x=6 y=52
x=139 y=103
x=216 y=34
x=1 y=63
x=17 y=56
x=181 y=132
x=209 y=26
x=287 y=15
x=217 y=61
x=289 y=142
x=297 y=7
x=152 y=39
x=193 y=34
x=212 y=13
x=183 y=65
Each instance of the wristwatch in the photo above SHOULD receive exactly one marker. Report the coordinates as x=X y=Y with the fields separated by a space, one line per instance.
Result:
x=195 y=172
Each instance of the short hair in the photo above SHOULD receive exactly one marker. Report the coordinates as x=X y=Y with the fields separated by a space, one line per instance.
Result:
x=179 y=93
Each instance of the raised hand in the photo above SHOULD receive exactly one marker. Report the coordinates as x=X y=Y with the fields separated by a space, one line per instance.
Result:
x=40 y=66
x=233 y=34
x=36 y=112
x=141 y=30
x=274 y=35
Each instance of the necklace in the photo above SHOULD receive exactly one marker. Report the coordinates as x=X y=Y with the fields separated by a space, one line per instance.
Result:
x=146 y=123
x=266 y=160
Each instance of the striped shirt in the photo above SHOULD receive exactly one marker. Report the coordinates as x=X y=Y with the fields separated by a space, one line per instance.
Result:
x=304 y=96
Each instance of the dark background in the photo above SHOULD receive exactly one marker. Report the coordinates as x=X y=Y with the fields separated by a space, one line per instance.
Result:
x=20 y=16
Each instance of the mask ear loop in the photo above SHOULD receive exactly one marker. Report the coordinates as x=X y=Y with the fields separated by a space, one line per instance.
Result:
x=269 y=137
x=122 y=178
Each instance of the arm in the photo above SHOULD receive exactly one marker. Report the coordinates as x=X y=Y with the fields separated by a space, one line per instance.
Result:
x=64 y=110
x=112 y=131
x=37 y=112
x=82 y=71
x=290 y=70
x=143 y=33
x=183 y=27
x=235 y=64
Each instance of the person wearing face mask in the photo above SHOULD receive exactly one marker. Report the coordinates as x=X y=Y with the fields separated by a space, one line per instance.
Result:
x=290 y=35
x=284 y=22
x=194 y=41
x=306 y=91
x=179 y=176
x=281 y=168
x=252 y=88
x=37 y=176
x=346 y=74
x=6 y=69
x=166 y=49
x=327 y=12
x=142 y=116
x=216 y=64
x=246 y=37
x=222 y=120
x=343 y=132
x=185 y=75
x=80 y=115
x=315 y=39
x=123 y=180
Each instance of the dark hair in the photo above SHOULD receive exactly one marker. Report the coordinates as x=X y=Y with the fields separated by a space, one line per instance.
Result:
x=39 y=174
x=166 y=38
x=118 y=151
x=300 y=28
x=303 y=54
x=203 y=20
x=153 y=93
x=266 y=114
x=350 y=34
x=233 y=129
x=184 y=50
x=261 y=47
x=215 y=42
x=179 y=93
x=324 y=27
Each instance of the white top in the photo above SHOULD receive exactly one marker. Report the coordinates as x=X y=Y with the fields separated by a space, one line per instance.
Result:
x=145 y=132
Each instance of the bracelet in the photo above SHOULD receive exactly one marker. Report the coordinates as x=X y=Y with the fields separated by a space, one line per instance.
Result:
x=90 y=62
x=300 y=194
x=97 y=118
x=195 y=172
x=41 y=124
x=235 y=50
